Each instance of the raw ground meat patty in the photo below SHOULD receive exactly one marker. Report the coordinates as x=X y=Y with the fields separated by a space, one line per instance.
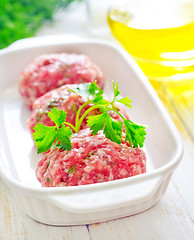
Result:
x=92 y=159
x=63 y=99
x=50 y=71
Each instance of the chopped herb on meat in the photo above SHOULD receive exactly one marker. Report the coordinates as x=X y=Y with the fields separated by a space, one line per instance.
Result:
x=72 y=169
x=48 y=179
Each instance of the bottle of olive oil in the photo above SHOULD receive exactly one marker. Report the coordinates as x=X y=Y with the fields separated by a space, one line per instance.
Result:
x=158 y=34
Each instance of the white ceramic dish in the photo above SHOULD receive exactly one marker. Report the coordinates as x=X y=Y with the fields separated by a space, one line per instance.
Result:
x=97 y=202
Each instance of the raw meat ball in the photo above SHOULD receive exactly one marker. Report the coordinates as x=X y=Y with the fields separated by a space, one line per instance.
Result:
x=51 y=71
x=66 y=100
x=92 y=159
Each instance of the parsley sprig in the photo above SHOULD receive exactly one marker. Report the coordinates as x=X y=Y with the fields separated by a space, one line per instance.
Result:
x=59 y=135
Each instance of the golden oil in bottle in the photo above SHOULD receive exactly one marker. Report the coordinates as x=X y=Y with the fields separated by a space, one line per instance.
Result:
x=159 y=35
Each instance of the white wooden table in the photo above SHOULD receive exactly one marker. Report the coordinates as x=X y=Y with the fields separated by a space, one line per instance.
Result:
x=171 y=219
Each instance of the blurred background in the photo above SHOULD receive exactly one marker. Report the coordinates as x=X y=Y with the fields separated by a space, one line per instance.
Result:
x=24 y=18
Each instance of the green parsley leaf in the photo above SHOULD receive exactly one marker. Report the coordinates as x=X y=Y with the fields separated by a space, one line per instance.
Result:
x=126 y=101
x=82 y=90
x=115 y=89
x=99 y=100
x=89 y=90
x=111 y=127
x=57 y=116
x=94 y=90
x=44 y=137
x=134 y=133
x=63 y=136
x=96 y=122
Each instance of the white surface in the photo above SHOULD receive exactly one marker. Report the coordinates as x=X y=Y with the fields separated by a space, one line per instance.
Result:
x=92 y=203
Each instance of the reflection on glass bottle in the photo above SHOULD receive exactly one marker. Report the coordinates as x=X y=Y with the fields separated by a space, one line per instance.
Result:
x=160 y=37
x=158 y=34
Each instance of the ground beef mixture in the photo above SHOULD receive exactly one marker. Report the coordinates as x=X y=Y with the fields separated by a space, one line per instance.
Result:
x=66 y=100
x=50 y=71
x=92 y=159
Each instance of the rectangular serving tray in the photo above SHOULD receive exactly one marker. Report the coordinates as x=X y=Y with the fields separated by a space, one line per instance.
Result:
x=96 y=202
